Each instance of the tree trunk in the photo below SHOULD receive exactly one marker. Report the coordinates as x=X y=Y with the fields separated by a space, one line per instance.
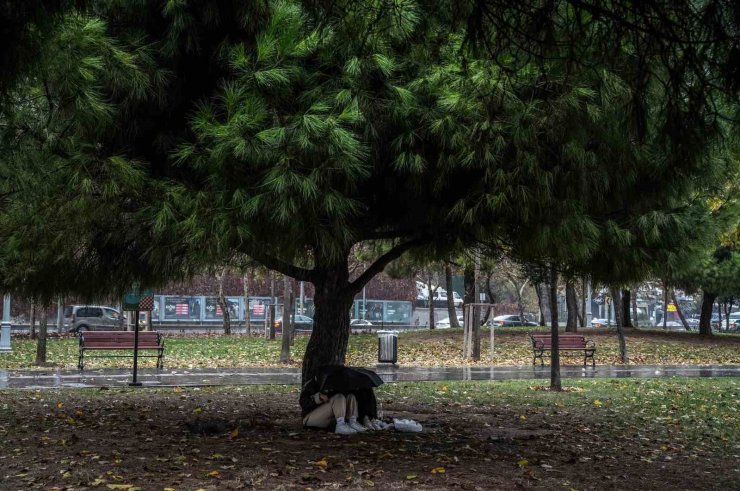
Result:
x=431 y=293
x=121 y=318
x=635 y=320
x=665 y=305
x=571 y=303
x=519 y=304
x=32 y=320
x=272 y=288
x=451 y=312
x=626 y=308
x=554 y=332
x=540 y=303
x=287 y=320
x=582 y=311
x=333 y=300
x=728 y=311
x=271 y=321
x=223 y=303
x=247 y=311
x=469 y=276
x=41 y=342
x=489 y=291
x=679 y=311
x=619 y=320
x=705 y=319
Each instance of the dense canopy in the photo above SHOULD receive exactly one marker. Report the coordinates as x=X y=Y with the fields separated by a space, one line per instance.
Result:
x=145 y=140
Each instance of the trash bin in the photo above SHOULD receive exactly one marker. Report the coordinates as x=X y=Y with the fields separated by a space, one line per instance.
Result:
x=388 y=347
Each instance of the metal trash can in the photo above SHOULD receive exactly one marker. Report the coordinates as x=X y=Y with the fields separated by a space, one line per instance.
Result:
x=388 y=347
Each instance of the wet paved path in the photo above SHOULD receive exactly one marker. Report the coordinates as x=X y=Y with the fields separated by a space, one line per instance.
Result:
x=73 y=379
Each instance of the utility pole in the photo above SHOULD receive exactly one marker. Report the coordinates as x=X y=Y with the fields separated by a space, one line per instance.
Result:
x=5 y=326
x=589 y=317
x=364 y=303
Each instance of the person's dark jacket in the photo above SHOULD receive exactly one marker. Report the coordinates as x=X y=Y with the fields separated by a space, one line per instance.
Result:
x=309 y=398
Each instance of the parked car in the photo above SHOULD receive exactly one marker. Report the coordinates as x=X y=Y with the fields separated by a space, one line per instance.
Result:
x=445 y=323
x=91 y=318
x=300 y=323
x=511 y=320
x=360 y=323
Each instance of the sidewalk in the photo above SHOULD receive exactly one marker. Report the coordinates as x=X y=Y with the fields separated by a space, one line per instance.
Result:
x=73 y=379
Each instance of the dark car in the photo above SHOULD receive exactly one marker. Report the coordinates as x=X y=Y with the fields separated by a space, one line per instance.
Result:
x=511 y=320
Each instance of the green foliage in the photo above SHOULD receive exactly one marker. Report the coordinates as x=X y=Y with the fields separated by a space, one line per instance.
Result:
x=70 y=204
x=188 y=132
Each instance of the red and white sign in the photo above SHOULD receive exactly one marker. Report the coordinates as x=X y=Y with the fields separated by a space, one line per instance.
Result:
x=181 y=309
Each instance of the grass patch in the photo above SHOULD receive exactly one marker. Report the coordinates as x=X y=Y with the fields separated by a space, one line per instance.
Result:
x=420 y=348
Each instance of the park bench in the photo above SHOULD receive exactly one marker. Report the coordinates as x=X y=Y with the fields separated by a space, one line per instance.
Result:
x=121 y=341
x=566 y=342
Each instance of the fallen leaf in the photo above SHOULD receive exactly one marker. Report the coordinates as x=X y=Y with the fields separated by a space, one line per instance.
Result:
x=214 y=474
x=438 y=470
x=197 y=410
x=411 y=477
x=323 y=463
x=522 y=462
x=234 y=433
x=597 y=403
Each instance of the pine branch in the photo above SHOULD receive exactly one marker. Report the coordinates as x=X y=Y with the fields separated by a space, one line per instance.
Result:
x=379 y=265
x=301 y=274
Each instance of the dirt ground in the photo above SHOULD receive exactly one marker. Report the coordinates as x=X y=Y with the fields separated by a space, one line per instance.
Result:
x=222 y=439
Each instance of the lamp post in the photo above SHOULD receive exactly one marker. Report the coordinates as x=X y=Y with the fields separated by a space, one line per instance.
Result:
x=5 y=326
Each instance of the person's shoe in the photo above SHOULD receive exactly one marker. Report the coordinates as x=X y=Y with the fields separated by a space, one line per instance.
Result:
x=344 y=429
x=356 y=426
x=368 y=424
x=381 y=425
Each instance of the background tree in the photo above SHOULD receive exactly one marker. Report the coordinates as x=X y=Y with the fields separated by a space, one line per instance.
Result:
x=222 y=302
x=451 y=310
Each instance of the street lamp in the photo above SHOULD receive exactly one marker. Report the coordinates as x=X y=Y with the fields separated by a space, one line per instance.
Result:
x=5 y=326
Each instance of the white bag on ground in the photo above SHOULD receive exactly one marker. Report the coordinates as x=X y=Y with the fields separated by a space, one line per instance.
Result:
x=407 y=425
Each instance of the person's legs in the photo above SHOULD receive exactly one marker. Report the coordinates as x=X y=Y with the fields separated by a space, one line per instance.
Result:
x=352 y=413
x=322 y=416
x=351 y=407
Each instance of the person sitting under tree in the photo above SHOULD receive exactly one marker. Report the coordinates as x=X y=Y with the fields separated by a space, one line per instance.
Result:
x=338 y=396
x=322 y=410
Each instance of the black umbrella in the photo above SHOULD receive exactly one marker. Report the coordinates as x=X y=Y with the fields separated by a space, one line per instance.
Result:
x=337 y=378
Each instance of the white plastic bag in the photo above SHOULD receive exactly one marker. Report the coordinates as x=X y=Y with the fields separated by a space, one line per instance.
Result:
x=407 y=425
